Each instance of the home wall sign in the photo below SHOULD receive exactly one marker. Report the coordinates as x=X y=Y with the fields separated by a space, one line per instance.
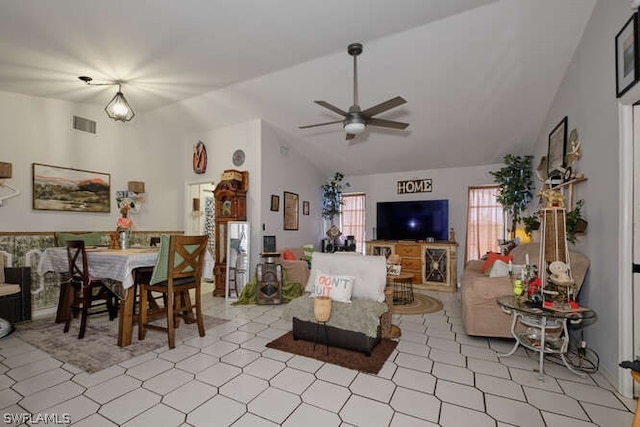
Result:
x=415 y=186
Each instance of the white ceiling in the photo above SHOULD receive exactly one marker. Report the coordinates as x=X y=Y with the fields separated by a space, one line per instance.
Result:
x=478 y=75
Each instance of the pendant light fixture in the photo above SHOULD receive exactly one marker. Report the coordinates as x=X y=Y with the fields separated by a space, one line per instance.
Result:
x=118 y=108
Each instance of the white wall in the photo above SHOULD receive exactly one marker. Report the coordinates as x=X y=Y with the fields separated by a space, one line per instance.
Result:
x=587 y=96
x=40 y=130
x=451 y=184
x=221 y=144
x=285 y=169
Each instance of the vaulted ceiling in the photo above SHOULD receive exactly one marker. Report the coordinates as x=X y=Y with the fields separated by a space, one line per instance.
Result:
x=478 y=75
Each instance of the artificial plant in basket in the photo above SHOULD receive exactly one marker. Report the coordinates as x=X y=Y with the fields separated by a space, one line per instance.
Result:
x=516 y=186
x=332 y=196
x=332 y=202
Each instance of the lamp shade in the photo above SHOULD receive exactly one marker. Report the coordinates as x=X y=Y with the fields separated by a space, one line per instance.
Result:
x=354 y=127
x=119 y=109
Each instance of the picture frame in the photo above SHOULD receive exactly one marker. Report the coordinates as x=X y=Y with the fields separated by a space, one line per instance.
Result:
x=275 y=203
x=557 y=148
x=627 y=64
x=290 y=210
x=305 y=207
x=56 y=188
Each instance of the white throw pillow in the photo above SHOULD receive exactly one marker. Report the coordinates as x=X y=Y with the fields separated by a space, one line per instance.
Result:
x=337 y=287
x=501 y=269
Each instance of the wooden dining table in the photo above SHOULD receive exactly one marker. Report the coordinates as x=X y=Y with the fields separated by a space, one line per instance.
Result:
x=118 y=265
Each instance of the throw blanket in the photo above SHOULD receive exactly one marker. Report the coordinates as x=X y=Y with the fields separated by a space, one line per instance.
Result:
x=361 y=315
x=290 y=290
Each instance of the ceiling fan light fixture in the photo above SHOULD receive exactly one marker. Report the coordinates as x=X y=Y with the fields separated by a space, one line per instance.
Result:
x=354 y=127
x=356 y=120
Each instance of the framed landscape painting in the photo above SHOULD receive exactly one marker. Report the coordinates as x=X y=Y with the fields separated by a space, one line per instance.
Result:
x=57 y=188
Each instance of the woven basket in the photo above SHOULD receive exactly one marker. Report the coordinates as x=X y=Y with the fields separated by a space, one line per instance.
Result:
x=322 y=308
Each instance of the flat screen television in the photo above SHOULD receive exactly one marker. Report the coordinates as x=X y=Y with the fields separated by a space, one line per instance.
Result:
x=416 y=220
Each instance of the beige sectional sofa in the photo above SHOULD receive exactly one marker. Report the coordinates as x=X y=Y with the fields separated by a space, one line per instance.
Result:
x=481 y=315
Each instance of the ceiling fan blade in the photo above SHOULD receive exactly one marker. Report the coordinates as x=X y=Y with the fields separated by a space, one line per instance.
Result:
x=384 y=106
x=332 y=108
x=387 y=123
x=319 y=124
x=350 y=136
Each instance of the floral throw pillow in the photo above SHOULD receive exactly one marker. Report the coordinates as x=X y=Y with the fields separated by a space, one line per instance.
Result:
x=338 y=288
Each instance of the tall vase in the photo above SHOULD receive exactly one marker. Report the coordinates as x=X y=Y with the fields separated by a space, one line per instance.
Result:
x=322 y=308
x=123 y=239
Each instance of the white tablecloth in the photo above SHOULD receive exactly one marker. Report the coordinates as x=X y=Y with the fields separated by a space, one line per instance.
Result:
x=115 y=264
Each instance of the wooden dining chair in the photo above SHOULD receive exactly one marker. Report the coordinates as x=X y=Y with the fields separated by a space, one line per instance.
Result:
x=85 y=295
x=143 y=275
x=178 y=270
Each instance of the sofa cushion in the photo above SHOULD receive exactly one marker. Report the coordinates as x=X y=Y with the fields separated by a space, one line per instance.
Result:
x=492 y=257
x=369 y=271
x=336 y=287
x=501 y=269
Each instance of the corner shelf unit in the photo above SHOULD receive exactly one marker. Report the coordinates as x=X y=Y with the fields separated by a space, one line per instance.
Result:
x=567 y=185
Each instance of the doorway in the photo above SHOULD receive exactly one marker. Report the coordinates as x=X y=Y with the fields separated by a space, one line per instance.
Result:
x=199 y=217
x=635 y=290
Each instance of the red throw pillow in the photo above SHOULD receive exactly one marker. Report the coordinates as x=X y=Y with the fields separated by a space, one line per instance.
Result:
x=492 y=257
x=288 y=255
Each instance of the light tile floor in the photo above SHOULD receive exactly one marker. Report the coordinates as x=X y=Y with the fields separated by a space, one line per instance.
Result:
x=436 y=376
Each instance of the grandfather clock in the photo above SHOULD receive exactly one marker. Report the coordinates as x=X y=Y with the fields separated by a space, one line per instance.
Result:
x=231 y=205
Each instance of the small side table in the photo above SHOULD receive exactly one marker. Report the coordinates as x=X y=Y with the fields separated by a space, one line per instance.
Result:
x=321 y=325
x=402 y=288
x=539 y=322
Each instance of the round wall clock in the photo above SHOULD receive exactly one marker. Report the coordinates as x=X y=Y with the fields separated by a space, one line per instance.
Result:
x=238 y=158
x=199 y=158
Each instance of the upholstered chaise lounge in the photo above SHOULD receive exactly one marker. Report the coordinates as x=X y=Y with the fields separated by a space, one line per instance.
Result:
x=354 y=325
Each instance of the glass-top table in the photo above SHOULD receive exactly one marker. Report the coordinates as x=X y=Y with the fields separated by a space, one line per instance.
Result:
x=543 y=330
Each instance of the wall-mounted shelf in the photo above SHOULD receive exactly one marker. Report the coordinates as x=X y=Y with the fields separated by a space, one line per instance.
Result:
x=568 y=185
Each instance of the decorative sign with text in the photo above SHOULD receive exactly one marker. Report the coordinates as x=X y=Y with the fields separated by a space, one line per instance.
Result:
x=415 y=186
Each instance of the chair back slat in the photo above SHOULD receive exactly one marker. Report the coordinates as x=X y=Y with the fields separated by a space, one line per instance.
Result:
x=77 y=257
x=186 y=257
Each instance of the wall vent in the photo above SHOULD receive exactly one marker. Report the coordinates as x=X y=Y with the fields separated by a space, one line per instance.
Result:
x=85 y=125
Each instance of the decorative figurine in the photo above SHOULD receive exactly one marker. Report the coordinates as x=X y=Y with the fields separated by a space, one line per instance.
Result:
x=552 y=198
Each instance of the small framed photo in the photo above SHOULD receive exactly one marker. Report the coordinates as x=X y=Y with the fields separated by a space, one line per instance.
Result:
x=291 y=211
x=627 y=66
x=305 y=207
x=275 y=203
x=557 y=148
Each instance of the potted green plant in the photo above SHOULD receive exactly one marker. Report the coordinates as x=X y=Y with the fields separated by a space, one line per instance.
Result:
x=516 y=186
x=575 y=222
x=332 y=203
x=531 y=223
x=332 y=196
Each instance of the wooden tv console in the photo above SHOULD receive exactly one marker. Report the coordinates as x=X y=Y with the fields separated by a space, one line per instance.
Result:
x=433 y=264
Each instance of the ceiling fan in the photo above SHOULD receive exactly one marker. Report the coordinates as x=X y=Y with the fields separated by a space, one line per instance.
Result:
x=355 y=121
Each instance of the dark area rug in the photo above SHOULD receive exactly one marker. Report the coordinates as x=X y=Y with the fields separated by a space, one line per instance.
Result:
x=337 y=356
x=99 y=349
